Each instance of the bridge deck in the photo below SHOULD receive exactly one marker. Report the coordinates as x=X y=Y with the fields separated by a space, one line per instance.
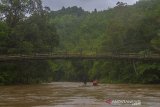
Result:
x=53 y=56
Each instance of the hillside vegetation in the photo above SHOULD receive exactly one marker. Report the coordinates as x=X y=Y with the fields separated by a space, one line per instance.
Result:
x=122 y=29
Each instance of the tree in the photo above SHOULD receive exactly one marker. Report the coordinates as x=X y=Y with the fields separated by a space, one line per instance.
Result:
x=3 y=37
x=121 y=4
x=14 y=11
x=24 y=29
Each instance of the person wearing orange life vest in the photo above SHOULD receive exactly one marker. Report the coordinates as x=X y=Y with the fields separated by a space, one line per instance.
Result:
x=95 y=83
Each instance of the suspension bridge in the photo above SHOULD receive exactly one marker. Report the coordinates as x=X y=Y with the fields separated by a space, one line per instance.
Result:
x=77 y=56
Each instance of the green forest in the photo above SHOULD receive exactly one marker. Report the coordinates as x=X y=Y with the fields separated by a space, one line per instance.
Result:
x=27 y=27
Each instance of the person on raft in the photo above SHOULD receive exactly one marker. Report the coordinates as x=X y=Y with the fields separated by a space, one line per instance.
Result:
x=95 y=83
x=85 y=80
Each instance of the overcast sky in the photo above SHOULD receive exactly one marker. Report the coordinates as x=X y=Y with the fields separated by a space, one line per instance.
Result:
x=88 y=5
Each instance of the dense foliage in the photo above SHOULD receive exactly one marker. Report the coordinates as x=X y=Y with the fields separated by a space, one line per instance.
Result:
x=124 y=28
x=24 y=29
x=127 y=29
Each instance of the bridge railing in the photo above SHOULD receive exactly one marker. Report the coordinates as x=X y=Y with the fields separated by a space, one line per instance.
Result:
x=137 y=55
x=65 y=54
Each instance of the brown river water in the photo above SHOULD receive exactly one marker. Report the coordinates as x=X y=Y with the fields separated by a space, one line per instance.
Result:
x=70 y=94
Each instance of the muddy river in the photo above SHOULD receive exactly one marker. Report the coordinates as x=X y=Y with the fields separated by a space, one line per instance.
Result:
x=70 y=94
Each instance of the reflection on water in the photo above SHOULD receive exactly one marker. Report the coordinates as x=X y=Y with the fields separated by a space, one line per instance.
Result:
x=67 y=94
